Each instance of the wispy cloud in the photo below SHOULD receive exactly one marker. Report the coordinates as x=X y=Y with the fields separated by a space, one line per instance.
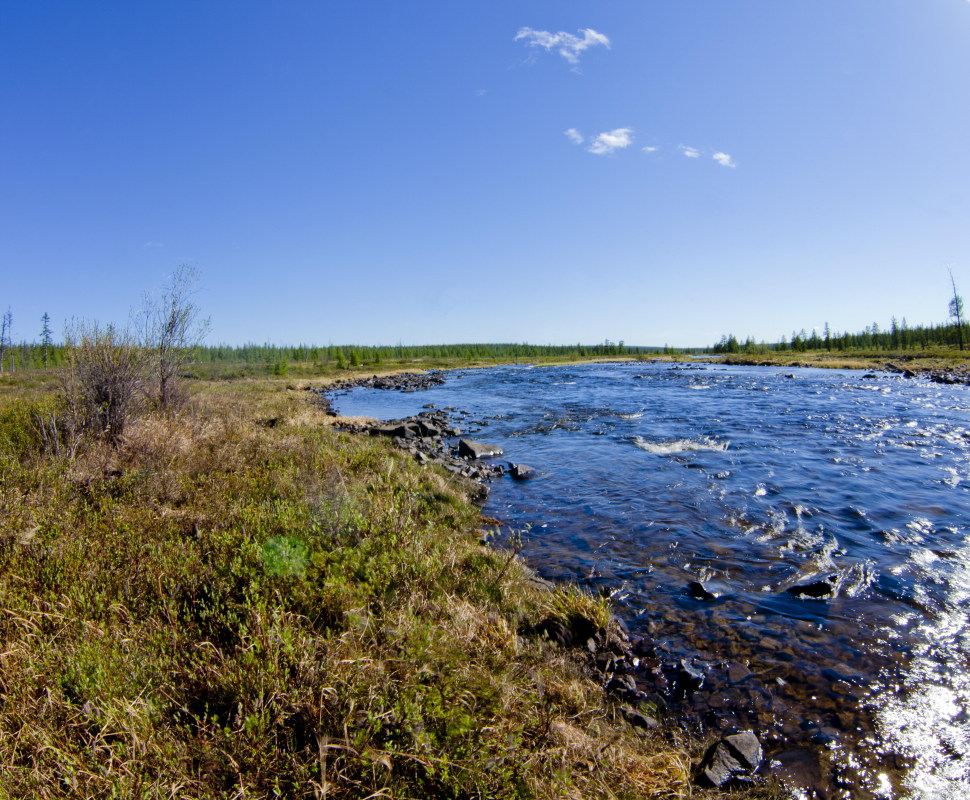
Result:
x=567 y=45
x=608 y=141
x=574 y=136
x=153 y=245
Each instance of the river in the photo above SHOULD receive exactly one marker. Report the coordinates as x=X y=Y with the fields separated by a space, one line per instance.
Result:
x=798 y=538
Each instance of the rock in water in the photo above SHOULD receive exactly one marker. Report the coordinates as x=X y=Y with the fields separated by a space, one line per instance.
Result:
x=815 y=590
x=706 y=590
x=736 y=756
x=469 y=449
x=521 y=472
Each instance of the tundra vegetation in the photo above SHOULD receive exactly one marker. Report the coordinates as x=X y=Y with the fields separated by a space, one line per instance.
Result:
x=229 y=598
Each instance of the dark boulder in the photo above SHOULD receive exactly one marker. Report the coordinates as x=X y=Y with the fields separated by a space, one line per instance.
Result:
x=521 y=472
x=402 y=430
x=427 y=428
x=814 y=589
x=687 y=677
x=574 y=633
x=622 y=685
x=706 y=590
x=639 y=720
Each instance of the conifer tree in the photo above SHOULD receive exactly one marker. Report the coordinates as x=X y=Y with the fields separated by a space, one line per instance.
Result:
x=956 y=309
x=46 y=340
x=6 y=336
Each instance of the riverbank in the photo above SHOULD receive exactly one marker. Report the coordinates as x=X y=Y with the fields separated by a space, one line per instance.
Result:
x=240 y=600
x=781 y=656
x=952 y=366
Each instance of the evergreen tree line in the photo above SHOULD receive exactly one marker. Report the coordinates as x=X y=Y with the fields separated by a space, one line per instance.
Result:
x=898 y=336
x=44 y=352
x=359 y=355
x=29 y=355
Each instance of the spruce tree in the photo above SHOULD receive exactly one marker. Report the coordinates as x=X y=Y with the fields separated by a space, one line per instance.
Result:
x=6 y=336
x=956 y=309
x=46 y=339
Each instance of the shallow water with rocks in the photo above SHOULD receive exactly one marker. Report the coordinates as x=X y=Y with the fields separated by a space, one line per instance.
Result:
x=790 y=549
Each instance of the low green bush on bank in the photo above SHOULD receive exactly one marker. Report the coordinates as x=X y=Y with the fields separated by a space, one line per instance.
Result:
x=216 y=606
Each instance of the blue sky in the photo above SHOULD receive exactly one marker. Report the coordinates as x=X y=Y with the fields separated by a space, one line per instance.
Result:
x=543 y=171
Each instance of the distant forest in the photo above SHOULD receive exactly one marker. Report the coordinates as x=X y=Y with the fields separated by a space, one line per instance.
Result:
x=277 y=358
x=898 y=336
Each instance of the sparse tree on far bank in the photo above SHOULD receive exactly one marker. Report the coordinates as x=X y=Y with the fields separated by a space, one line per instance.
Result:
x=172 y=329
x=46 y=338
x=5 y=336
x=956 y=309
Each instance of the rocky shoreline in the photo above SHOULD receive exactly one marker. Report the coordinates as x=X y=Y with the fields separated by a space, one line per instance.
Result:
x=401 y=382
x=431 y=436
x=958 y=374
x=756 y=735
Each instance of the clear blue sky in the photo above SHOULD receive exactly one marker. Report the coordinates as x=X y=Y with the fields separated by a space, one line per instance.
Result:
x=546 y=171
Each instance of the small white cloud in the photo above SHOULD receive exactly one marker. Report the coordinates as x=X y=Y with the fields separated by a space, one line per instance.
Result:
x=482 y=92
x=566 y=44
x=724 y=160
x=605 y=143
x=153 y=245
x=652 y=149
x=574 y=136
x=690 y=152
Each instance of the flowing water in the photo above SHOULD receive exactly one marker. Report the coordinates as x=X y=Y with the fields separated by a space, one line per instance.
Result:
x=810 y=527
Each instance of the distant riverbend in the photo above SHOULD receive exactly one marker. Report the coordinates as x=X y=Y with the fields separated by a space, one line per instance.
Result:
x=788 y=546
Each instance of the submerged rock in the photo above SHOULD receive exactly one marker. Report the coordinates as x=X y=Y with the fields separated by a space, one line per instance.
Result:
x=736 y=757
x=738 y=673
x=798 y=770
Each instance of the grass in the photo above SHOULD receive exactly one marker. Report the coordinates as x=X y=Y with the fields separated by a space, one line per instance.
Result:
x=930 y=359
x=238 y=601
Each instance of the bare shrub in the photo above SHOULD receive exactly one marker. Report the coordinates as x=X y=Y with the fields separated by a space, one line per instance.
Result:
x=172 y=329
x=105 y=369
x=59 y=436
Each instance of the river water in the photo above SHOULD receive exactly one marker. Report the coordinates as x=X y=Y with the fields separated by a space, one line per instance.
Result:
x=809 y=527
